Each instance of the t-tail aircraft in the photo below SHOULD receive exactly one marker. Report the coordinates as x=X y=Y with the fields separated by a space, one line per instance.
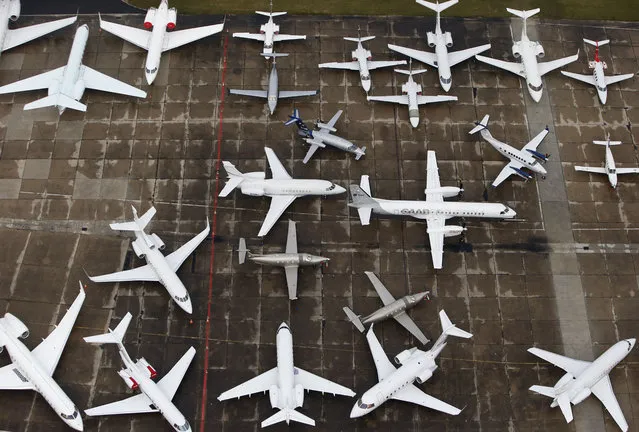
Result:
x=610 y=169
x=155 y=38
x=139 y=375
x=441 y=41
x=66 y=84
x=159 y=268
x=33 y=370
x=285 y=384
x=528 y=51
x=528 y=157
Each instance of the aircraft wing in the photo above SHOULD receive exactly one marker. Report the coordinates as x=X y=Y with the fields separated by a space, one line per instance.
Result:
x=254 y=36
x=98 y=81
x=50 y=349
x=279 y=204
x=588 y=79
x=182 y=37
x=351 y=65
x=260 y=383
x=515 y=68
x=382 y=64
x=382 y=363
x=283 y=94
x=616 y=78
x=603 y=391
x=291 y=238
x=412 y=394
x=138 y=404
x=291 y=281
x=410 y=325
x=311 y=151
x=436 y=238
x=277 y=169
x=546 y=67
x=506 y=172
x=534 y=143
x=312 y=382
x=398 y=99
x=422 y=100
x=25 y=34
x=457 y=57
x=136 y=36
x=12 y=379
x=144 y=274
x=252 y=93
x=386 y=297
x=176 y=258
x=287 y=37
x=432 y=178
x=333 y=120
x=594 y=170
x=572 y=366
x=36 y=82
x=627 y=170
x=426 y=57
x=172 y=380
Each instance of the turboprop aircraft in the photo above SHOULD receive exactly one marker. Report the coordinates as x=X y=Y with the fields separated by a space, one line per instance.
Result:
x=598 y=77
x=156 y=39
x=285 y=384
x=415 y=366
x=66 y=84
x=139 y=375
x=159 y=268
x=528 y=157
x=282 y=188
x=609 y=168
x=434 y=210
x=584 y=378
x=528 y=51
x=441 y=58
x=33 y=370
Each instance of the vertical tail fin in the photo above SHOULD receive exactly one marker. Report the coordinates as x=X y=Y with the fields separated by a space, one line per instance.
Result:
x=288 y=414
x=437 y=7
x=242 y=250
x=483 y=124
x=114 y=336
x=352 y=317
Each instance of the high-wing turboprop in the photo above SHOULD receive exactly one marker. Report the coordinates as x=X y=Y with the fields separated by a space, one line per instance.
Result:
x=66 y=84
x=415 y=366
x=285 y=384
x=413 y=97
x=156 y=39
x=598 y=77
x=282 y=188
x=160 y=268
x=528 y=51
x=441 y=41
x=584 y=378
x=33 y=370
x=290 y=260
x=321 y=136
x=434 y=210
x=610 y=169
x=139 y=375
x=528 y=157
x=392 y=309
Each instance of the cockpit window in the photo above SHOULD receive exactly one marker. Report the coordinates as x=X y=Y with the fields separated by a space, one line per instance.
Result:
x=446 y=80
x=612 y=170
x=362 y=405
x=505 y=210
x=70 y=417
x=268 y=45
x=601 y=89
x=154 y=70
x=536 y=88
x=331 y=187
x=366 y=77
x=182 y=428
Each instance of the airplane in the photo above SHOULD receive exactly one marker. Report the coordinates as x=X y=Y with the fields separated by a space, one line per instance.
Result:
x=413 y=97
x=159 y=268
x=269 y=32
x=139 y=375
x=584 y=378
x=272 y=93
x=155 y=38
x=528 y=51
x=321 y=136
x=282 y=188
x=392 y=309
x=33 y=370
x=362 y=62
x=285 y=384
x=66 y=84
x=434 y=210
x=598 y=77
x=11 y=38
x=609 y=168
x=290 y=259
x=415 y=366
x=441 y=58
x=528 y=157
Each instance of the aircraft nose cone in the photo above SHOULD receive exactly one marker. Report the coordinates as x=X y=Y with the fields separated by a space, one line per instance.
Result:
x=283 y=325
x=414 y=121
x=631 y=342
x=338 y=190
x=187 y=306
x=77 y=424
x=603 y=96
x=150 y=77
x=271 y=107
x=421 y=296
x=356 y=412
x=445 y=86
x=536 y=96
x=367 y=85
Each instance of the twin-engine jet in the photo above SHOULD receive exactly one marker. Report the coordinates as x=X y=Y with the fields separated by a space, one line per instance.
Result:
x=282 y=188
x=156 y=39
x=139 y=375
x=528 y=157
x=610 y=169
x=269 y=32
x=285 y=384
x=33 y=370
x=159 y=268
x=435 y=211
x=66 y=84
x=441 y=41
x=528 y=51
x=415 y=366
x=290 y=259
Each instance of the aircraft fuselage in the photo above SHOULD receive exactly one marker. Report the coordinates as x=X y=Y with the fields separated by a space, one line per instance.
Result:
x=156 y=42
x=446 y=209
x=297 y=187
x=287 y=259
x=395 y=308
x=273 y=89
x=362 y=56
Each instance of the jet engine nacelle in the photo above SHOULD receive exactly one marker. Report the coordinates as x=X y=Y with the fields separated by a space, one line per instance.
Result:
x=14 y=10
x=539 y=51
x=157 y=241
x=445 y=191
x=16 y=327
x=128 y=379
x=449 y=39
x=150 y=372
x=431 y=39
x=138 y=251
x=149 y=19
x=453 y=230
x=172 y=19
x=424 y=376
x=299 y=395
x=564 y=380
x=583 y=394
x=403 y=356
x=516 y=51
x=252 y=190
x=274 y=396
x=78 y=89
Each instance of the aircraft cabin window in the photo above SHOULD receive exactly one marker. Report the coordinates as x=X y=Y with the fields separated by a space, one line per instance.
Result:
x=536 y=88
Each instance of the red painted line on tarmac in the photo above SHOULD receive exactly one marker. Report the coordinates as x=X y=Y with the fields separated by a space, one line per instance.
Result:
x=213 y=231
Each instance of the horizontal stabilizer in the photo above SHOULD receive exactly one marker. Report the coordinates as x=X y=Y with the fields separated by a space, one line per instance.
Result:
x=483 y=124
x=359 y=39
x=354 y=319
x=274 y=54
x=57 y=100
x=114 y=336
x=612 y=143
x=524 y=14
x=270 y=14
x=542 y=390
x=287 y=415
x=596 y=43
x=450 y=329
x=437 y=7
x=242 y=250
x=410 y=72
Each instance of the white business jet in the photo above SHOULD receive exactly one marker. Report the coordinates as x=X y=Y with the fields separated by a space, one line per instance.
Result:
x=441 y=58
x=159 y=268
x=528 y=51
x=412 y=97
x=66 y=84
x=415 y=366
x=282 y=188
x=139 y=374
x=33 y=370
x=584 y=378
x=434 y=210
x=269 y=32
x=158 y=40
x=285 y=384
x=598 y=77
x=528 y=157
x=609 y=168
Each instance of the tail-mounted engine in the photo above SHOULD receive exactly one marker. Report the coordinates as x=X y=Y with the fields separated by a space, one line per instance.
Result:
x=583 y=394
x=564 y=380
x=1 y=349
x=369 y=55
x=157 y=241
x=424 y=376
x=137 y=249
x=445 y=191
x=128 y=379
x=274 y=396
x=516 y=51
x=149 y=19
x=252 y=190
x=431 y=39
x=172 y=19
x=14 y=10
x=78 y=89
x=299 y=395
x=539 y=51
x=449 y=39
x=404 y=355
x=16 y=327
x=151 y=373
